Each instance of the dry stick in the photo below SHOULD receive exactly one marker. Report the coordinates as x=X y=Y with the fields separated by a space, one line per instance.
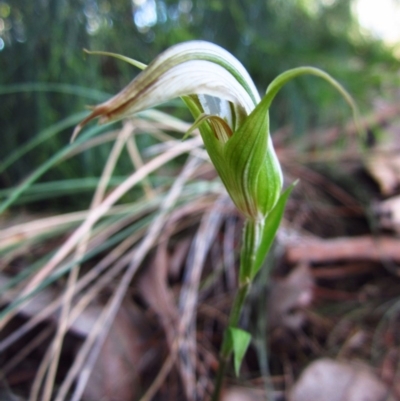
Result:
x=73 y=276
x=102 y=326
x=95 y=215
x=346 y=248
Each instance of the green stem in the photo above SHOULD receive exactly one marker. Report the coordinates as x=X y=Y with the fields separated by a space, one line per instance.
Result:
x=251 y=239
x=226 y=347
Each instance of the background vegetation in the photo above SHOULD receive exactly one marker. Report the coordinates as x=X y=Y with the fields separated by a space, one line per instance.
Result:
x=46 y=79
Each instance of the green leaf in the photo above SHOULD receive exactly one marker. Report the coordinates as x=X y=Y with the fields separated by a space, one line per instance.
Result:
x=270 y=229
x=213 y=146
x=128 y=60
x=220 y=127
x=275 y=86
x=245 y=154
x=253 y=165
x=240 y=340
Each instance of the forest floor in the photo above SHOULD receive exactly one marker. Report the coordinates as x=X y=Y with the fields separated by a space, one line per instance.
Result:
x=324 y=313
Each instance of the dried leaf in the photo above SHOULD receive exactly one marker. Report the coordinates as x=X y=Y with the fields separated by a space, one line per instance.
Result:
x=288 y=298
x=329 y=380
x=384 y=167
x=384 y=161
x=389 y=213
x=122 y=358
x=389 y=369
x=154 y=288
x=242 y=394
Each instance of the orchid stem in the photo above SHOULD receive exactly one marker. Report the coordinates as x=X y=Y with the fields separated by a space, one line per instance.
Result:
x=226 y=347
x=248 y=250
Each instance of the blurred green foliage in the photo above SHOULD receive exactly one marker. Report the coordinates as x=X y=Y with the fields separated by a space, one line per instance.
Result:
x=45 y=77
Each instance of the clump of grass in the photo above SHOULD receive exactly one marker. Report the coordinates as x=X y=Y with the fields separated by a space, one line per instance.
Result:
x=113 y=236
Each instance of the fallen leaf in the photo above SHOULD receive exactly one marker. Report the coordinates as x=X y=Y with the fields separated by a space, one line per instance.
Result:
x=154 y=288
x=383 y=162
x=115 y=376
x=330 y=380
x=388 y=212
x=288 y=297
x=384 y=167
x=389 y=369
x=237 y=393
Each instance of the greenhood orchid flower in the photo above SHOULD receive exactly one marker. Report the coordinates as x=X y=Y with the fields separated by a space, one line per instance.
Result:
x=234 y=124
x=232 y=118
x=223 y=98
x=233 y=121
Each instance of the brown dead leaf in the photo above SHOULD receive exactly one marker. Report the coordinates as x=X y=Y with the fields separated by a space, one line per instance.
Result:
x=237 y=393
x=154 y=288
x=389 y=369
x=383 y=163
x=289 y=296
x=121 y=360
x=388 y=212
x=384 y=167
x=330 y=380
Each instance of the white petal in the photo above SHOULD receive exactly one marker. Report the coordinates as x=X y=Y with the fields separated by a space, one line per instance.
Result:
x=191 y=68
x=190 y=77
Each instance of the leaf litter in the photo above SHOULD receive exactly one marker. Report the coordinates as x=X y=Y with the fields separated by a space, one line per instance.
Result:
x=161 y=290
